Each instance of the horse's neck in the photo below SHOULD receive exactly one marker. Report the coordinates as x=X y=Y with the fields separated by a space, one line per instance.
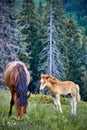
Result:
x=51 y=84
x=58 y=81
x=50 y=87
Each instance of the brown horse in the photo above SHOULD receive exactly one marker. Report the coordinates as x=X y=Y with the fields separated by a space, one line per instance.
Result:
x=58 y=88
x=17 y=79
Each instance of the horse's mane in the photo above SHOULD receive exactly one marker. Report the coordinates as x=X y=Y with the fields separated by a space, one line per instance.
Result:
x=21 y=89
x=52 y=79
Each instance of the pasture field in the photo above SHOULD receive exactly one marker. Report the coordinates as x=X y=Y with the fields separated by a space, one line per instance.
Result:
x=42 y=114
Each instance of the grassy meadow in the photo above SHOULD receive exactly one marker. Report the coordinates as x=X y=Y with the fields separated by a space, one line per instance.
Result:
x=42 y=114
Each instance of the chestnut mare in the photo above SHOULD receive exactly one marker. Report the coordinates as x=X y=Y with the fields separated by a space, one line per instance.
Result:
x=17 y=79
x=58 y=88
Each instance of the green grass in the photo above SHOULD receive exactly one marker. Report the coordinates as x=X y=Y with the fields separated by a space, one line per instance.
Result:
x=42 y=115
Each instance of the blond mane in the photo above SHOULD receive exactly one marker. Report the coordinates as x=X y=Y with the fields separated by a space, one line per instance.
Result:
x=52 y=79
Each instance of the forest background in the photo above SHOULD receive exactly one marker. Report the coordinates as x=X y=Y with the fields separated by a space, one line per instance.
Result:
x=50 y=36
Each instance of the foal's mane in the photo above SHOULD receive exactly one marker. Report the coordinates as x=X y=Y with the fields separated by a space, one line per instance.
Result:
x=52 y=79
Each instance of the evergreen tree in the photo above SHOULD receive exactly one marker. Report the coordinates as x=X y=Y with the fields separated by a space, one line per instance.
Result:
x=73 y=53
x=12 y=40
x=50 y=57
x=8 y=43
x=78 y=11
x=23 y=24
x=84 y=69
x=32 y=40
x=72 y=49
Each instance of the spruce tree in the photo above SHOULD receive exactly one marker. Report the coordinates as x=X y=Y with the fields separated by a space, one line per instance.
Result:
x=50 y=57
x=22 y=16
x=84 y=69
x=73 y=54
x=8 y=42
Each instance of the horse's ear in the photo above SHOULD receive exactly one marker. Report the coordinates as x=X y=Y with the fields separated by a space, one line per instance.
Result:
x=47 y=76
x=42 y=75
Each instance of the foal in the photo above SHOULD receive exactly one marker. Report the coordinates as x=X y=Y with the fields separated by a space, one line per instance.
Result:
x=58 y=88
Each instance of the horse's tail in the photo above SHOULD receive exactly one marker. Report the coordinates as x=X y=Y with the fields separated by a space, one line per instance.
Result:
x=77 y=93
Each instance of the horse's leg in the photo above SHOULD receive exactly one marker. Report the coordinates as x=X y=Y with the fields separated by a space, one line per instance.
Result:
x=73 y=104
x=11 y=104
x=58 y=103
x=55 y=102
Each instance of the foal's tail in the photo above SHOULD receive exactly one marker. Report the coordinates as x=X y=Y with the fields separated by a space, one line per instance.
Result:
x=77 y=93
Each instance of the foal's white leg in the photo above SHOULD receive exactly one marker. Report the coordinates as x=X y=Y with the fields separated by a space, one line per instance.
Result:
x=71 y=102
x=58 y=104
x=73 y=105
x=55 y=102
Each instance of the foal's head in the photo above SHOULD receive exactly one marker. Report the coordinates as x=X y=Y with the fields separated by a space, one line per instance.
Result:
x=47 y=80
x=43 y=81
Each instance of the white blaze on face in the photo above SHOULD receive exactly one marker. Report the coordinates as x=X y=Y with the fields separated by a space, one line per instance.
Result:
x=42 y=85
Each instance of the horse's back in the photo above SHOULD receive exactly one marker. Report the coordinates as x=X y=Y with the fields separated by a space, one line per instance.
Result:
x=10 y=71
x=67 y=83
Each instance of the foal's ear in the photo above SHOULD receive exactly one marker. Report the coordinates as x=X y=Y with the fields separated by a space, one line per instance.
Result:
x=44 y=76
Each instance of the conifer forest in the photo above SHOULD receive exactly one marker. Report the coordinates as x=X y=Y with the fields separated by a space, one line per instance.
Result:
x=49 y=36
